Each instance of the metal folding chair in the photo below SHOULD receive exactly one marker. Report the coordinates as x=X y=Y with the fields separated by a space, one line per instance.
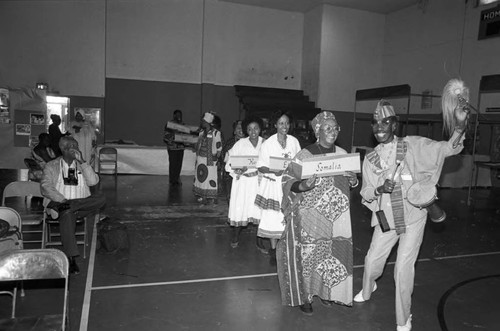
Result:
x=108 y=160
x=30 y=218
x=32 y=265
x=10 y=238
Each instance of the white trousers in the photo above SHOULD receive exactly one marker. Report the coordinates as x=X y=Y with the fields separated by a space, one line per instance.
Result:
x=404 y=270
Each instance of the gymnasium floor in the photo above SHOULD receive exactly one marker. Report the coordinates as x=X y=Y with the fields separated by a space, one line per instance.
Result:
x=180 y=272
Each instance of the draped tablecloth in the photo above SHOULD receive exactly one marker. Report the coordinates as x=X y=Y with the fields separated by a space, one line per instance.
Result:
x=148 y=160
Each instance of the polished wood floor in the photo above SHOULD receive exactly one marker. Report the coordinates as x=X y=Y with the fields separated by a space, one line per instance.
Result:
x=181 y=273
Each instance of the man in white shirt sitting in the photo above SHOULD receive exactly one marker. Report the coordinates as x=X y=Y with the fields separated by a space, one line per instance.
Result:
x=65 y=183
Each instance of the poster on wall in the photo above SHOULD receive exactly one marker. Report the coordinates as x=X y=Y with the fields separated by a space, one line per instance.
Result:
x=37 y=119
x=23 y=129
x=4 y=106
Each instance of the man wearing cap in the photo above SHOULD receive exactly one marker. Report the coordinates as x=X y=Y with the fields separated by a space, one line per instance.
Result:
x=208 y=149
x=388 y=174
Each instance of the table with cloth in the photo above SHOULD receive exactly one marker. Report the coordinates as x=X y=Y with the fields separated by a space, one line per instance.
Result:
x=148 y=160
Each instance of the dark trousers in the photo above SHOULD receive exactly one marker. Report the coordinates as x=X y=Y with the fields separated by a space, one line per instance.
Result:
x=175 y=164
x=67 y=219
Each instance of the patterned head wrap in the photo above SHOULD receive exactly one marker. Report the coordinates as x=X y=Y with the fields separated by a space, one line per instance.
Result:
x=208 y=117
x=384 y=109
x=320 y=119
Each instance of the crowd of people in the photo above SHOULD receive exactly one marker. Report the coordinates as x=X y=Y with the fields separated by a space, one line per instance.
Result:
x=308 y=221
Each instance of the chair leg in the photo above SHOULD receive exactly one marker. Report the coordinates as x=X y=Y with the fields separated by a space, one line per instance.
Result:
x=44 y=233
x=14 y=297
x=85 y=237
x=22 y=294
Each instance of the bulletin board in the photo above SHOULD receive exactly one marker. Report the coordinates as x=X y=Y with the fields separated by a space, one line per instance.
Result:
x=28 y=124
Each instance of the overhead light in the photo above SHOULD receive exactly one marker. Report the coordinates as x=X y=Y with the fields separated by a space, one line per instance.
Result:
x=42 y=86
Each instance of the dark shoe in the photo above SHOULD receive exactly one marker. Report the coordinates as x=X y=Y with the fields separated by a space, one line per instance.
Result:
x=73 y=267
x=272 y=257
x=326 y=303
x=306 y=308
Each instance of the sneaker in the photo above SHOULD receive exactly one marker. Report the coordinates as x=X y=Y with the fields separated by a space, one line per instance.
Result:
x=406 y=327
x=359 y=297
x=306 y=308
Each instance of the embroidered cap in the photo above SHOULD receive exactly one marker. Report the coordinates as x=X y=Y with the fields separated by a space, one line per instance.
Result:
x=384 y=109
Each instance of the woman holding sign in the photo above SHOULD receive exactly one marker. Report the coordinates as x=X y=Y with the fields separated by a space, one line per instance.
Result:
x=242 y=167
x=315 y=253
x=273 y=160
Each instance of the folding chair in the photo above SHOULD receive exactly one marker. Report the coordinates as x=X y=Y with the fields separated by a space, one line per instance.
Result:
x=35 y=264
x=49 y=235
x=108 y=160
x=10 y=238
x=30 y=218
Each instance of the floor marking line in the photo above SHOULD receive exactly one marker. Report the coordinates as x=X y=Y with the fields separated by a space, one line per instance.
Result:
x=182 y=281
x=111 y=287
x=84 y=320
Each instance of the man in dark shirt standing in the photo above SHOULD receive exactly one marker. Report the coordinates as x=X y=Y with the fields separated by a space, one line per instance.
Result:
x=175 y=151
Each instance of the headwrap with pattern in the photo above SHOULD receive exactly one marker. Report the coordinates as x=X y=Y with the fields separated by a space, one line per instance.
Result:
x=320 y=119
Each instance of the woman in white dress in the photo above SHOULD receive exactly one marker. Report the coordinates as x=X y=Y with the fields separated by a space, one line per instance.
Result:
x=270 y=191
x=242 y=210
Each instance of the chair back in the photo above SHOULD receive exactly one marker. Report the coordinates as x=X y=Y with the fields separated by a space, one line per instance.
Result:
x=21 y=189
x=33 y=264
x=25 y=189
x=108 y=160
x=108 y=150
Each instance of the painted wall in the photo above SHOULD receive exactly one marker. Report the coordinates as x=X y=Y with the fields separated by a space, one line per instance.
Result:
x=248 y=45
x=425 y=48
x=81 y=48
x=311 y=52
x=351 y=55
x=59 y=42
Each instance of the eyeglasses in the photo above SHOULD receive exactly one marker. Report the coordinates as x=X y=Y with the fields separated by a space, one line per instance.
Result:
x=384 y=122
x=330 y=129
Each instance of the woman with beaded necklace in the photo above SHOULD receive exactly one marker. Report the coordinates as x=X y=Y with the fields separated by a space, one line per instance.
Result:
x=315 y=252
x=270 y=192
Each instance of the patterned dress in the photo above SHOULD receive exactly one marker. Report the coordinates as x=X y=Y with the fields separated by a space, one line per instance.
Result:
x=208 y=146
x=315 y=254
